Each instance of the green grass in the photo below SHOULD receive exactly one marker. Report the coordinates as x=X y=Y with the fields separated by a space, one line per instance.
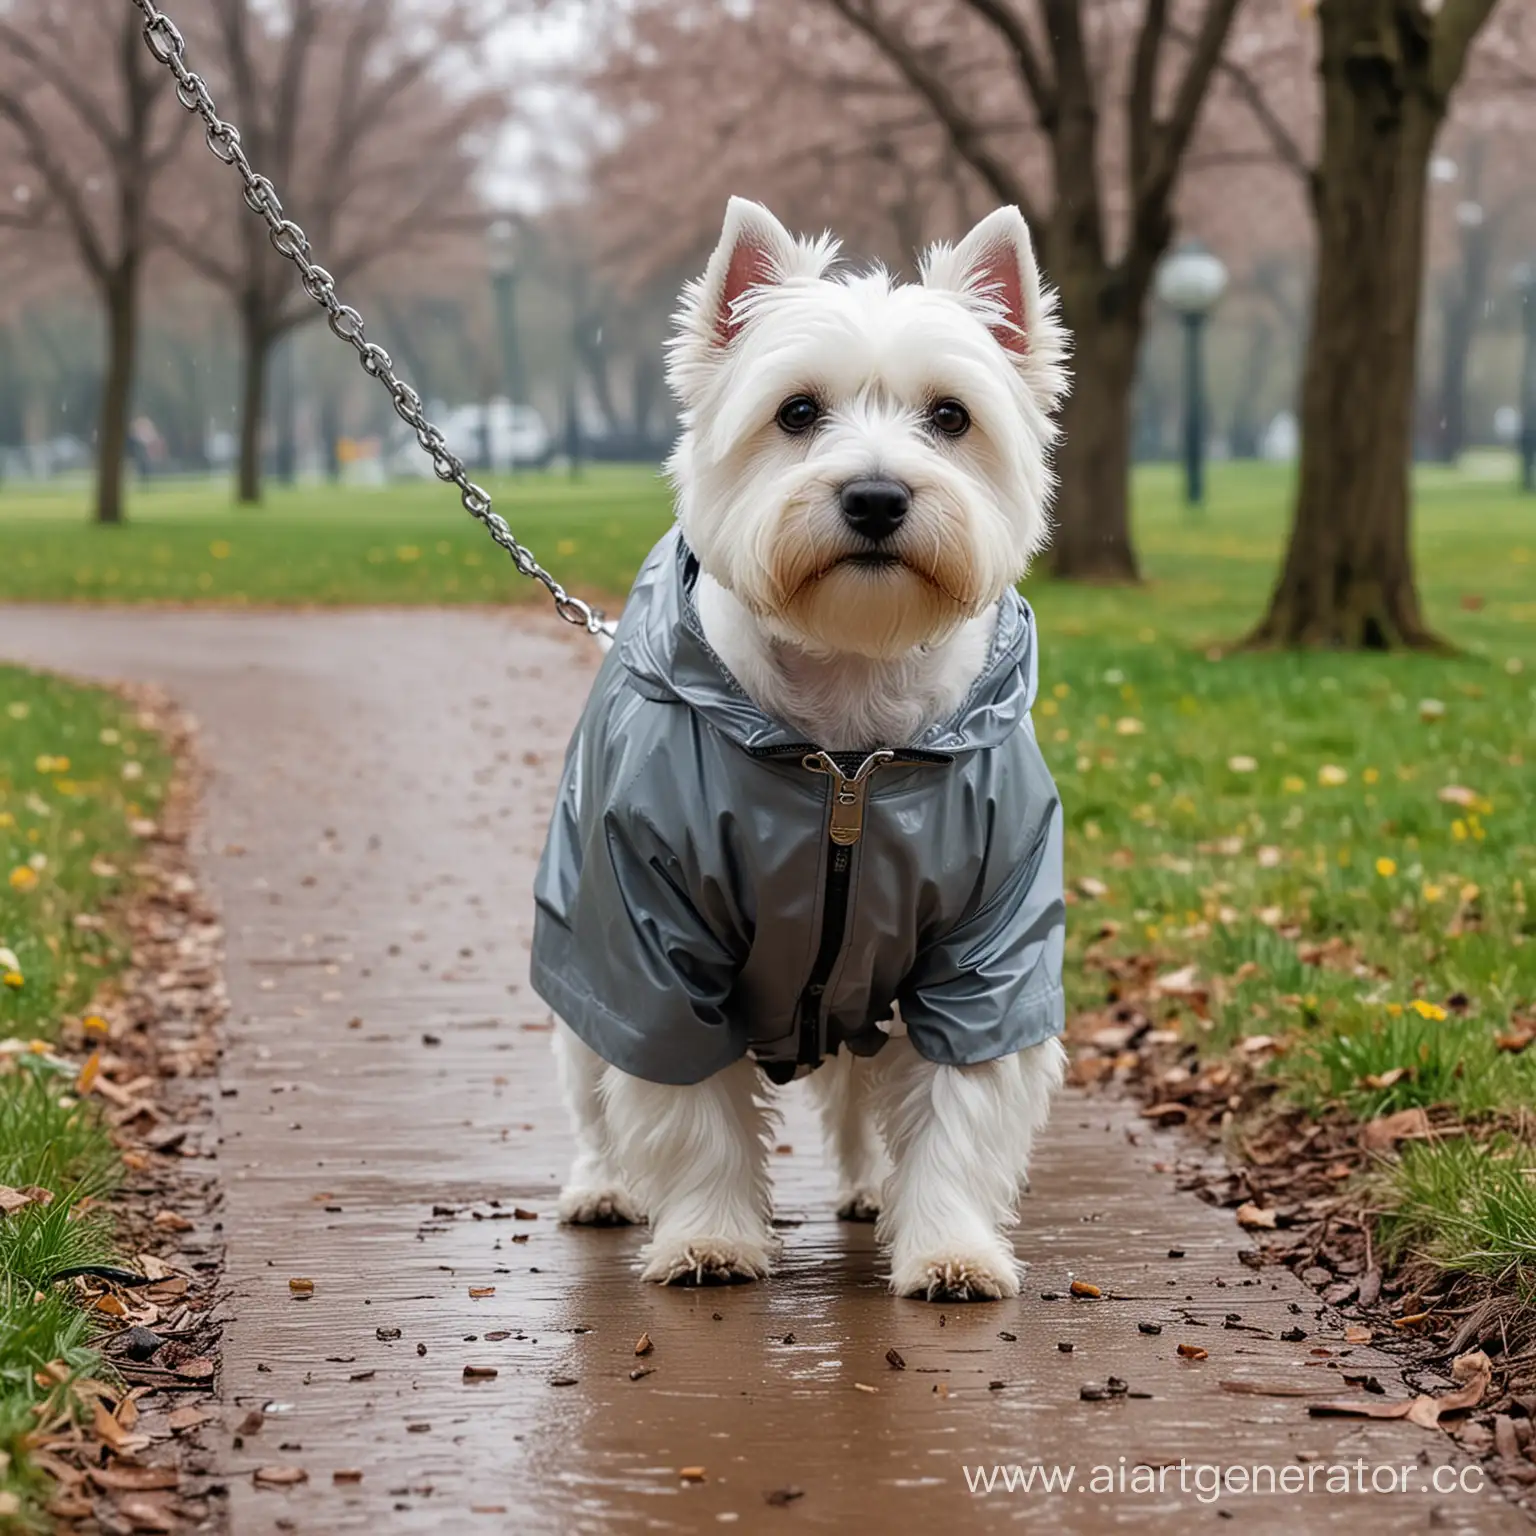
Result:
x=1467 y=1206
x=76 y=770
x=1244 y=811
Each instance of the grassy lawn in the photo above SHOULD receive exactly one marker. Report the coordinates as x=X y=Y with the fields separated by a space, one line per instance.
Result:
x=75 y=770
x=1346 y=844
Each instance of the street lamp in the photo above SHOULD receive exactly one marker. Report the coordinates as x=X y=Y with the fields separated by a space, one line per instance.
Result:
x=502 y=252
x=1525 y=286
x=1190 y=282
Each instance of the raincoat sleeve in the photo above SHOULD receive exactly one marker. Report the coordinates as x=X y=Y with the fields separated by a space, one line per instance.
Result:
x=623 y=950
x=992 y=984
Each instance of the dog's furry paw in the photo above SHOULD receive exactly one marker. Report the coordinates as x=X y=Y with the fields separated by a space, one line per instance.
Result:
x=861 y=1204
x=958 y=1275
x=598 y=1206
x=707 y=1261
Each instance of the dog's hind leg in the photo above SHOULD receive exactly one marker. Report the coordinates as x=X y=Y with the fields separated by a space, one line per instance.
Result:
x=698 y=1159
x=841 y=1088
x=595 y=1195
x=960 y=1140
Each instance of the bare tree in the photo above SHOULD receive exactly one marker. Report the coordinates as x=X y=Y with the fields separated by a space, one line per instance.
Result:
x=1388 y=69
x=371 y=146
x=80 y=99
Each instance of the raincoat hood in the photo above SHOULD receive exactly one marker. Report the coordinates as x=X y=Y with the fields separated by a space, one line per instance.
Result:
x=661 y=642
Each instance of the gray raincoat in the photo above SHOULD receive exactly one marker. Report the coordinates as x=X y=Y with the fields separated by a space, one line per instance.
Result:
x=713 y=886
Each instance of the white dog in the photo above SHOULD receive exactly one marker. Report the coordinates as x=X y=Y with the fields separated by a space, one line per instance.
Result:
x=804 y=815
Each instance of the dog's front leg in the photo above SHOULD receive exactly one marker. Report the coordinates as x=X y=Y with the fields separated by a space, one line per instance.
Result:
x=959 y=1139
x=697 y=1157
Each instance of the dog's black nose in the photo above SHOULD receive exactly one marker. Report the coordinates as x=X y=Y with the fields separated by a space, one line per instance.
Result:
x=875 y=508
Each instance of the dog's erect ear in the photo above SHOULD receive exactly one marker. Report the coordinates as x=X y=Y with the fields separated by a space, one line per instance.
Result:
x=993 y=272
x=755 y=251
x=994 y=264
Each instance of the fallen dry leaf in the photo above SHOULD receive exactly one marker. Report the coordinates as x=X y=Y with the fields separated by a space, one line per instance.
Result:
x=1358 y=1333
x=1383 y=1134
x=173 y=1221
x=643 y=1345
x=862 y=1386
x=346 y=1475
x=1516 y=1041
x=1194 y=1352
x=1082 y=1288
x=1413 y=1320
x=1255 y=1218
x=182 y=1419
x=480 y=1292
x=199 y=1368
x=480 y=1373
x=121 y=1479
x=691 y=1474
x=146 y=1515
x=1474 y=1371
x=280 y=1477
x=301 y=1287
x=107 y=1429
x=1382 y=1080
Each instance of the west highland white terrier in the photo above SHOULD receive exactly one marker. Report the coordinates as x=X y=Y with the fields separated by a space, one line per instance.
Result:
x=804 y=827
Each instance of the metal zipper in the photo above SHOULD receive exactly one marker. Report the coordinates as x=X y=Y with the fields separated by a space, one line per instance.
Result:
x=850 y=773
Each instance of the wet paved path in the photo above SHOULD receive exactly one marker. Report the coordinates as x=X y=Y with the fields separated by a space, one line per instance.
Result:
x=379 y=790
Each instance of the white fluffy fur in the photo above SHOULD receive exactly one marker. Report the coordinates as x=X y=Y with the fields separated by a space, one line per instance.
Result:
x=855 y=657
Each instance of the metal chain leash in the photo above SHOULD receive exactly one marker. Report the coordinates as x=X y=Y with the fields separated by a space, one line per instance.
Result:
x=289 y=240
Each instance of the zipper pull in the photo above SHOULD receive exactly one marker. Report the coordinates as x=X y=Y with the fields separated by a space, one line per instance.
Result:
x=847 y=823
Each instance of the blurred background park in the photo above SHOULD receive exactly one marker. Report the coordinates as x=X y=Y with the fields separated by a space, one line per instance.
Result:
x=1295 y=243
x=1288 y=674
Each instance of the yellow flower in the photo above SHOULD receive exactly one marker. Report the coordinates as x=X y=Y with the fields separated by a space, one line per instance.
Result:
x=1293 y=785
x=94 y=1024
x=566 y=547
x=1433 y=892
x=1469 y=892
x=1386 y=868
x=13 y=979
x=23 y=879
x=1129 y=725
x=406 y=553
x=1459 y=830
x=47 y=764
x=219 y=549
x=1371 y=776
x=1048 y=707
x=7 y=820
x=1394 y=1010
x=1331 y=775
x=1427 y=1010
x=1061 y=690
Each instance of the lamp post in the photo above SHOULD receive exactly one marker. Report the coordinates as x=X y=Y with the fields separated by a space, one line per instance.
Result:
x=1525 y=286
x=1190 y=282
x=501 y=243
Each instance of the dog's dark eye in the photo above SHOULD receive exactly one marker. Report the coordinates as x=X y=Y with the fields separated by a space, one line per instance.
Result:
x=951 y=418
x=799 y=414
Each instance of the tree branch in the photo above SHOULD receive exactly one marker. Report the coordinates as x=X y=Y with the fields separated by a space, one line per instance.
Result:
x=964 y=133
x=1455 y=27
x=1006 y=20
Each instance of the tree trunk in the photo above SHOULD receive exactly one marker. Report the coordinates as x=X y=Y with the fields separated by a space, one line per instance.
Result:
x=1093 y=460
x=256 y=343
x=122 y=313
x=1348 y=575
